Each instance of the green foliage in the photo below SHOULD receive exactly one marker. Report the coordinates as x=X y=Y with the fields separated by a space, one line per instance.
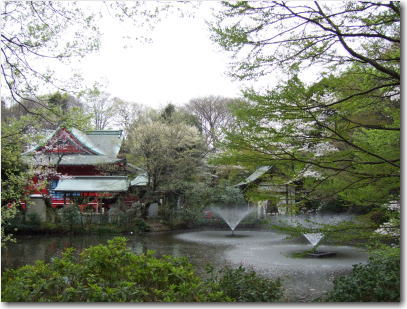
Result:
x=21 y=129
x=170 y=153
x=71 y=221
x=203 y=194
x=339 y=135
x=227 y=195
x=14 y=173
x=141 y=225
x=198 y=196
x=7 y=216
x=243 y=285
x=70 y=215
x=112 y=273
x=33 y=219
x=333 y=156
x=357 y=231
x=377 y=281
x=268 y=37
x=108 y=273
x=388 y=216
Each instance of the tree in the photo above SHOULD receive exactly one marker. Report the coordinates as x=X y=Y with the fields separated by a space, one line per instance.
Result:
x=19 y=132
x=60 y=109
x=292 y=36
x=173 y=114
x=38 y=36
x=64 y=101
x=33 y=32
x=15 y=174
x=100 y=106
x=126 y=114
x=339 y=135
x=169 y=150
x=170 y=153
x=213 y=113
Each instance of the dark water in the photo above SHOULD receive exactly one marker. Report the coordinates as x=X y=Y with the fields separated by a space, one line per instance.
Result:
x=267 y=252
x=28 y=249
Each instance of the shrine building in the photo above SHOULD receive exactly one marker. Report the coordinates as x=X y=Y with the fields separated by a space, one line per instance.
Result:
x=82 y=168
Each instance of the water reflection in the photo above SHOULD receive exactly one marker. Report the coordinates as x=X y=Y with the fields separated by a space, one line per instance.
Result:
x=29 y=249
x=269 y=253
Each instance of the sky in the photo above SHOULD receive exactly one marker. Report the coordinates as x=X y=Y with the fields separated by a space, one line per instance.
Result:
x=181 y=62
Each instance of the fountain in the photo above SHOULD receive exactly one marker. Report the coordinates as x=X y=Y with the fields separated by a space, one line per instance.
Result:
x=232 y=215
x=314 y=238
x=312 y=226
x=270 y=253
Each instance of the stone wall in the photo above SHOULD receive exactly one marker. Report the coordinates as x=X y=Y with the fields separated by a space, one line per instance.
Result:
x=38 y=207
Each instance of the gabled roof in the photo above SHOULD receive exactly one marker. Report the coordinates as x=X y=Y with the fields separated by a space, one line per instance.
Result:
x=140 y=180
x=108 y=141
x=80 y=148
x=85 y=140
x=256 y=175
x=99 y=142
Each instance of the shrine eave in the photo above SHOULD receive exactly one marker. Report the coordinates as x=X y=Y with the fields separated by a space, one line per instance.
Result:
x=74 y=159
x=93 y=184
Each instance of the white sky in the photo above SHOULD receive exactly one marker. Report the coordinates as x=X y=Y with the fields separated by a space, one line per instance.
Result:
x=181 y=63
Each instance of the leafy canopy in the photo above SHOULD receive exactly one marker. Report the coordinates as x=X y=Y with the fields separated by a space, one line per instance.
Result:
x=340 y=135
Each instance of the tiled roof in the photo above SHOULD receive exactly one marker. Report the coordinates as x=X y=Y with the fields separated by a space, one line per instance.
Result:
x=93 y=184
x=105 y=144
x=85 y=140
x=140 y=180
x=256 y=175
x=105 y=132
x=108 y=141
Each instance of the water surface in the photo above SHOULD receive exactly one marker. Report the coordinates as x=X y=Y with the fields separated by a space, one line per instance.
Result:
x=269 y=253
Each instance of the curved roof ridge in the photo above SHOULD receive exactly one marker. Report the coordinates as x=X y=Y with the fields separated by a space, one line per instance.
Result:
x=104 y=132
x=82 y=137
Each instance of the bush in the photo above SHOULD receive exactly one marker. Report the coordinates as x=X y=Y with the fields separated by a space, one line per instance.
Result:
x=377 y=281
x=141 y=225
x=108 y=273
x=70 y=215
x=33 y=219
x=243 y=285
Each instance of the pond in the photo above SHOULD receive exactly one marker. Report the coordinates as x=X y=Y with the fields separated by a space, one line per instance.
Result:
x=269 y=253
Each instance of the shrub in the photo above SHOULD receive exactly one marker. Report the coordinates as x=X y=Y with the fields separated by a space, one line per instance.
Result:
x=377 y=281
x=244 y=285
x=70 y=215
x=108 y=273
x=33 y=219
x=141 y=225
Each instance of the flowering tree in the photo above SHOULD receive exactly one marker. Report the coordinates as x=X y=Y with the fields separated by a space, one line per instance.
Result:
x=342 y=126
x=390 y=229
x=45 y=168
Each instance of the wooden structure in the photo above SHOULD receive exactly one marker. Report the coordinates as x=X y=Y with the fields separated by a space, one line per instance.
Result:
x=81 y=167
x=274 y=197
